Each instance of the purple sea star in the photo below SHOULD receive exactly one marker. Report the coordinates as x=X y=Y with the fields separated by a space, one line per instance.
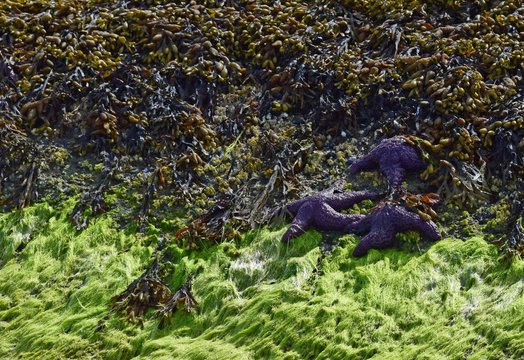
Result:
x=394 y=157
x=321 y=211
x=384 y=222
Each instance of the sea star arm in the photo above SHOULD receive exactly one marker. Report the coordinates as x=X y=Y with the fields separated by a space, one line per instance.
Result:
x=295 y=206
x=326 y=218
x=302 y=221
x=342 y=201
x=320 y=215
x=394 y=172
x=366 y=163
x=374 y=240
x=408 y=220
x=360 y=226
x=337 y=200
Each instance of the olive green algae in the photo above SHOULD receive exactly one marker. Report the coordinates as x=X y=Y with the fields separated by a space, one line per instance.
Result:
x=258 y=298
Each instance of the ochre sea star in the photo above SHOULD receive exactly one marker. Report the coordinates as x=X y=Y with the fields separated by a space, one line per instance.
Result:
x=321 y=211
x=384 y=223
x=395 y=157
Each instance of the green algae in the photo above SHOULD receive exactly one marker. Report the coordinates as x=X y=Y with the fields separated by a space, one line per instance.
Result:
x=258 y=298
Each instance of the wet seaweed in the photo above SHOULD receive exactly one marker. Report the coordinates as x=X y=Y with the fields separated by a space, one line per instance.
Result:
x=92 y=202
x=224 y=94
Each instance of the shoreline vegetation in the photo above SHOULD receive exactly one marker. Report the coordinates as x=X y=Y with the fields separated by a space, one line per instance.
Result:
x=258 y=297
x=147 y=145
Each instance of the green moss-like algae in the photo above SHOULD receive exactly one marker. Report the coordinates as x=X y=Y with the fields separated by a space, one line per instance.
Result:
x=258 y=298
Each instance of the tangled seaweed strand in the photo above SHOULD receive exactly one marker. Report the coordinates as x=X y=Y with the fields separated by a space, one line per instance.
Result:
x=147 y=291
x=221 y=96
x=182 y=297
x=150 y=291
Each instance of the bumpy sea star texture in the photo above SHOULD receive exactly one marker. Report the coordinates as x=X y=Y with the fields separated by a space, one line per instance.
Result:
x=384 y=222
x=321 y=211
x=394 y=157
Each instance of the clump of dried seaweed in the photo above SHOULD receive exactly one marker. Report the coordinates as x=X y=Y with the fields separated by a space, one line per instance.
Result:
x=150 y=291
x=210 y=226
x=147 y=291
x=181 y=299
